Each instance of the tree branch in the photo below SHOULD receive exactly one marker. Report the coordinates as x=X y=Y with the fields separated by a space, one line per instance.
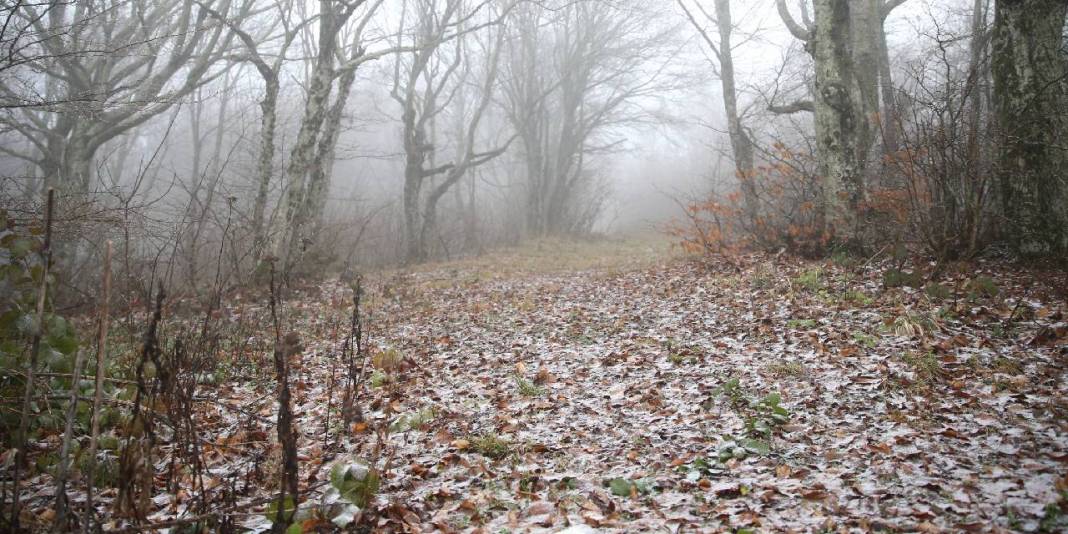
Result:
x=888 y=6
x=804 y=34
x=794 y=107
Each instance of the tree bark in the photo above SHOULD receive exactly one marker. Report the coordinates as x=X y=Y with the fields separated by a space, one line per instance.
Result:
x=866 y=25
x=265 y=162
x=837 y=121
x=1029 y=70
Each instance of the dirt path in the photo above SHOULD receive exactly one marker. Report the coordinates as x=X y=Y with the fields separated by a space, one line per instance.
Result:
x=621 y=390
x=647 y=399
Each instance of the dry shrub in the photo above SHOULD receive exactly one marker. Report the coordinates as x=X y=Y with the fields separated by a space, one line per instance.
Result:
x=787 y=212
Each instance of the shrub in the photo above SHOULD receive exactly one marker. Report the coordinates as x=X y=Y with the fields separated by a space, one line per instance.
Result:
x=21 y=275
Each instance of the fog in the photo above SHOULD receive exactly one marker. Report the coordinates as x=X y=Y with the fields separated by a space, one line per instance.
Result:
x=463 y=125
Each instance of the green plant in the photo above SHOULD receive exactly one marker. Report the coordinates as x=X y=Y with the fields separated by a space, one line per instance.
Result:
x=763 y=277
x=866 y=340
x=353 y=483
x=857 y=297
x=897 y=278
x=911 y=325
x=844 y=259
x=22 y=274
x=528 y=388
x=801 y=324
x=938 y=291
x=622 y=487
x=379 y=379
x=925 y=366
x=983 y=286
x=768 y=415
x=491 y=445
x=417 y=420
x=762 y=417
x=741 y=447
x=809 y=279
x=289 y=514
x=701 y=467
x=387 y=360
x=1052 y=517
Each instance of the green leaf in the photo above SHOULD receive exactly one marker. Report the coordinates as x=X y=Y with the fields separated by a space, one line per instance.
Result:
x=26 y=325
x=762 y=427
x=8 y=319
x=620 y=486
x=289 y=511
x=346 y=516
x=337 y=474
x=757 y=446
x=65 y=344
x=355 y=481
x=20 y=247
x=57 y=325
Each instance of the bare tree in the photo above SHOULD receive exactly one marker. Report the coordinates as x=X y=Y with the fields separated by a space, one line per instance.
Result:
x=574 y=72
x=424 y=85
x=268 y=54
x=94 y=70
x=722 y=48
x=335 y=62
x=848 y=45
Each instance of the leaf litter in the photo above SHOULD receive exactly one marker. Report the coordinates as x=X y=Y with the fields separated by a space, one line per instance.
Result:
x=669 y=395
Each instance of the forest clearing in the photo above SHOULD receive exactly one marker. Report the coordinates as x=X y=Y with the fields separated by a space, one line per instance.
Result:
x=664 y=395
x=509 y=266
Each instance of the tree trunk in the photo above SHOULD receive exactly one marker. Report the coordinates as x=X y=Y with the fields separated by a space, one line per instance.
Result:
x=889 y=115
x=301 y=156
x=413 y=181
x=741 y=145
x=1029 y=69
x=265 y=164
x=837 y=122
x=865 y=25
x=323 y=166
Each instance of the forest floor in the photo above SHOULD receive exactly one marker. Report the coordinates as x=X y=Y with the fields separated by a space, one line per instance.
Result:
x=614 y=387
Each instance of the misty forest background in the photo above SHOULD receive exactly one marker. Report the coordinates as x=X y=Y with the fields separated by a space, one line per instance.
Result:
x=314 y=265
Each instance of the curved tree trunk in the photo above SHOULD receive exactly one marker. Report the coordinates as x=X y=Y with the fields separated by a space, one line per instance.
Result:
x=741 y=145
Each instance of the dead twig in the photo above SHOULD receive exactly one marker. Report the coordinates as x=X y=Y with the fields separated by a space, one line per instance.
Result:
x=101 y=352
x=62 y=503
x=35 y=347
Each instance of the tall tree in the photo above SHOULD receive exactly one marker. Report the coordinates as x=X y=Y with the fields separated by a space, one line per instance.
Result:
x=574 y=71
x=723 y=50
x=425 y=82
x=1030 y=70
x=332 y=72
x=267 y=52
x=838 y=115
